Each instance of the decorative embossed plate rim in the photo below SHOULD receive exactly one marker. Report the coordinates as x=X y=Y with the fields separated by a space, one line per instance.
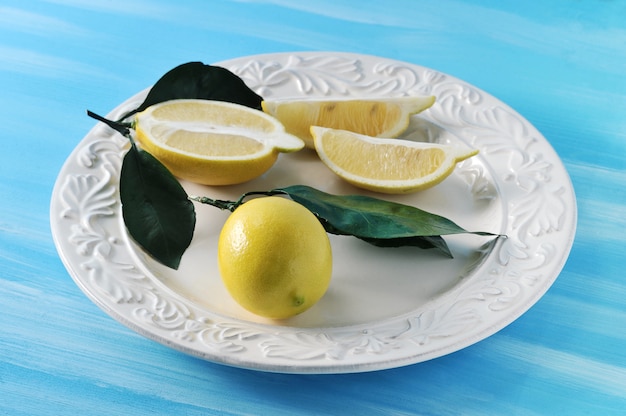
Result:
x=520 y=172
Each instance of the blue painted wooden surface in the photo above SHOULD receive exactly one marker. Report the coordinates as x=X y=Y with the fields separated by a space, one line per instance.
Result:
x=561 y=64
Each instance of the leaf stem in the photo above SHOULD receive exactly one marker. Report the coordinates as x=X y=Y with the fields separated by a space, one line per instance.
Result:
x=122 y=128
x=218 y=203
x=233 y=205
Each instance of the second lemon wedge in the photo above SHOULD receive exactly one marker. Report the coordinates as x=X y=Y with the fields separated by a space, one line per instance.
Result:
x=388 y=166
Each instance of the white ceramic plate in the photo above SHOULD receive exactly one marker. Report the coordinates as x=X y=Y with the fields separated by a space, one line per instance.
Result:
x=385 y=307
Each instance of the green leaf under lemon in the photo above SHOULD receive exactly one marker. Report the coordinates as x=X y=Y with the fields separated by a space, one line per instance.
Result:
x=379 y=222
x=195 y=80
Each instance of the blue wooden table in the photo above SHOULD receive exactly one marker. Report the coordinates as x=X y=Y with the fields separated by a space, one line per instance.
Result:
x=560 y=64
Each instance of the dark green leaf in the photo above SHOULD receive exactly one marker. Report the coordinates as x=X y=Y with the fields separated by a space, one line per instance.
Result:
x=156 y=209
x=368 y=217
x=195 y=80
x=379 y=222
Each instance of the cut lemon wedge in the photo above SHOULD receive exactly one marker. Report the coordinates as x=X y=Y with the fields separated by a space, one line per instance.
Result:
x=384 y=117
x=388 y=166
x=212 y=142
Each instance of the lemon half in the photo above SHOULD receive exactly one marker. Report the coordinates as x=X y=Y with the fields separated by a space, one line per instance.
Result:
x=212 y=142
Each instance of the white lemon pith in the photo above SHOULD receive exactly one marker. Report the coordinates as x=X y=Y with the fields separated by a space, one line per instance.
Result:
x=274 y=257
x=381 y=165
x=377 y=117
x=212 y=142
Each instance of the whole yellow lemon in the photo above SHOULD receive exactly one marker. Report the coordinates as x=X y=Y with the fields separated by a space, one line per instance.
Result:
x=274 y=257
